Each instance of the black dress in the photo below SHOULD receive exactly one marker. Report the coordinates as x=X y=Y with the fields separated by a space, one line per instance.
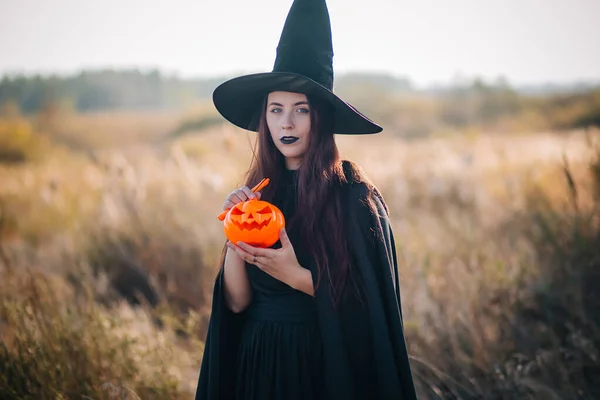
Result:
x=280 y=349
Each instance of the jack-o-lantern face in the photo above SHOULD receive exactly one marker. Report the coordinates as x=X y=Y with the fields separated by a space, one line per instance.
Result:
x=254 y=222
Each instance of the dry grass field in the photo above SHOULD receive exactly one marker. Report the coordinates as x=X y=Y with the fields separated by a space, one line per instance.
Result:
x=109 y=243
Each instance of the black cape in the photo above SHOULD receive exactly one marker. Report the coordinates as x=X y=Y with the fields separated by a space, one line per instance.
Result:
x=365 y=352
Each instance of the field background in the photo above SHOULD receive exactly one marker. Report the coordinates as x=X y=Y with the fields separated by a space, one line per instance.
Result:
x=110 y=183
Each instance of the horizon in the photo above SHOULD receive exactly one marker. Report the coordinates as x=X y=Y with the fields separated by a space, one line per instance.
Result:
x=456 y=80
x=526 y=42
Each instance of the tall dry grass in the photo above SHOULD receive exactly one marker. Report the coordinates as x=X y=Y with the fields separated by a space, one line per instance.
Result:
x=56 y=345
x=107 y=263
x=509 y=309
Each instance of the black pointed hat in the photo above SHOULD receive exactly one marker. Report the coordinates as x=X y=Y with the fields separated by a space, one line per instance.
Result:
x=304 y=64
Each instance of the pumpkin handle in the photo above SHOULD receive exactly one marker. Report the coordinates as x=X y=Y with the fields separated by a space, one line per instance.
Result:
x=260 y=186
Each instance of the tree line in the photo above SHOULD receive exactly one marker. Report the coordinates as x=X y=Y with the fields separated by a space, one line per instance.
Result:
x=392 y=100
x=103 y=90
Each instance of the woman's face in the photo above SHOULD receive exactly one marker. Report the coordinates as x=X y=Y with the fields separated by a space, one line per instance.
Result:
x=288 y=119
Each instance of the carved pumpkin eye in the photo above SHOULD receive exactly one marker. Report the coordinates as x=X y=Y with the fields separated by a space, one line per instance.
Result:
x=236 y=211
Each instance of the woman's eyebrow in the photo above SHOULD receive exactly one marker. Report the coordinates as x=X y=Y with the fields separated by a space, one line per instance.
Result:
x=281 y=105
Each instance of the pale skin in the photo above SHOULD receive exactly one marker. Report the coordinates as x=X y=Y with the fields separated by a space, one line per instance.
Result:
x=288 y=114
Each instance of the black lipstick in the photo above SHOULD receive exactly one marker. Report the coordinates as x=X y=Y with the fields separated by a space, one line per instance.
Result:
x=288 y=139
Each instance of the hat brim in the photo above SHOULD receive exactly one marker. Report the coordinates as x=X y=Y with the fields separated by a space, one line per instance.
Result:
x=239 y=100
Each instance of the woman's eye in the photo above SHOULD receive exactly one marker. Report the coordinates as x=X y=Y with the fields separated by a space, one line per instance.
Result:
x=276 y=110
x=303 y=110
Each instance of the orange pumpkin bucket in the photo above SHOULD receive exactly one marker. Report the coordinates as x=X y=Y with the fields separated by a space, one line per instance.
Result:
x=255 y=222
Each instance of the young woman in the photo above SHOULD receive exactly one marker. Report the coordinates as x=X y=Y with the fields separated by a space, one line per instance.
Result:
x=318 y=315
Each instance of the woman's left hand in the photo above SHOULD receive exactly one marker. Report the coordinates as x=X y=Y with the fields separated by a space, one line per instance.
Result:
x=281 y=263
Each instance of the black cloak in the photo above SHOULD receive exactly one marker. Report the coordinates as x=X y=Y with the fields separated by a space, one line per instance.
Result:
x=365 y=353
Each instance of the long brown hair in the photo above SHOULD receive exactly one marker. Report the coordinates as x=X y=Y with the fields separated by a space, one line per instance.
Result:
x=321 y=179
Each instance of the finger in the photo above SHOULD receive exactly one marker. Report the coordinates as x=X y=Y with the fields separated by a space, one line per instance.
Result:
x=238 y=196
x=258 y=251
x=284 y=239
x=230 y=201
x=228 y=204
x=249 y=193
x=258 y=195
x=244 y=255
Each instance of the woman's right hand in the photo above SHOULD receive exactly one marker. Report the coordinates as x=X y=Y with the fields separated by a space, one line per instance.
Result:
x=239 y=195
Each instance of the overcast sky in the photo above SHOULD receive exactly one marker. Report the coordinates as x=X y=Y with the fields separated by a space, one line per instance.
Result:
x=527 y=41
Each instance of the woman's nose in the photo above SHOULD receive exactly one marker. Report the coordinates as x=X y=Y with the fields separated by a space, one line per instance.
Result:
x=287 y=122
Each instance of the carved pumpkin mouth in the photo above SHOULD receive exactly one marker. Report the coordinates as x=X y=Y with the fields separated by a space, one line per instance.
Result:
x=251 y=225
x=251 y=220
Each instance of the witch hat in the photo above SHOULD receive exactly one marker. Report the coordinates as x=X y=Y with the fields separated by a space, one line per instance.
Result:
x=304 y=64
